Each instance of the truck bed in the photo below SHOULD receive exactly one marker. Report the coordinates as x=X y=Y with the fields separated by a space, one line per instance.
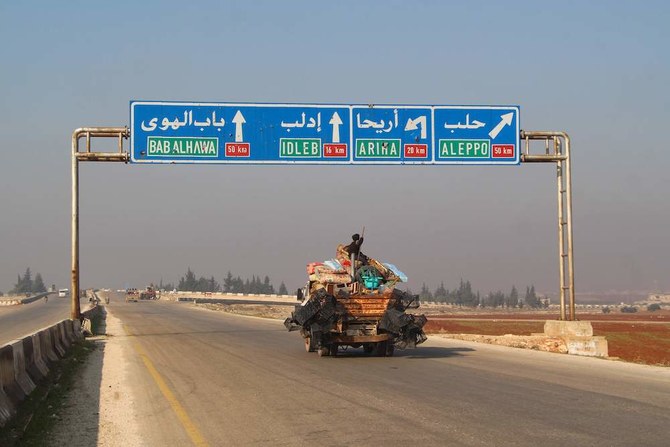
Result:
x=365 y=307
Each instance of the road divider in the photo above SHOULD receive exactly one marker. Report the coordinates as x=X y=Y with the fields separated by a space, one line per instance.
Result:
x=25 y=362
x=222 y=297
x=24 y=300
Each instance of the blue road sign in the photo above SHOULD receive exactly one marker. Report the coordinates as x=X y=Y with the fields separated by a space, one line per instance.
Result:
x=392 y=134
x=189 y=132
x=165 y=132
x=476 y=135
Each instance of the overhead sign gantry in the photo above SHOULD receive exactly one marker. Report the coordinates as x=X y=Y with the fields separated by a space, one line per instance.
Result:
x=232 y=133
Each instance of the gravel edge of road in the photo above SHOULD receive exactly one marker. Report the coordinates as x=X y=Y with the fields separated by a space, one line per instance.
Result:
x=100 y=409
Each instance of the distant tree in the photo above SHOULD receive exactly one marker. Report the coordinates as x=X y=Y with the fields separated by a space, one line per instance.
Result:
x=228 y=282
x=629 y=309
x=267 y=288
x=499 y=299
x=654 y=307
x=513 y=299
x=282 y=289
x=425 y=294
x=188 y=282
x=531 y=298
x=24 y=284
x=213 y=286
x=238 y=285
x=38 y=284
x=606 y=310
x=464 y=296
x=441 y=293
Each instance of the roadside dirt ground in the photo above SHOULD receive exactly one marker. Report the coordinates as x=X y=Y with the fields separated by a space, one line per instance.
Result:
x=100 y=411
x=632 y=339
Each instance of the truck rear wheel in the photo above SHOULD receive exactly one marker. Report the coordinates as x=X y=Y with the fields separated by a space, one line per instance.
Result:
x=381 y=349
x=368 y=348
x=309 y=346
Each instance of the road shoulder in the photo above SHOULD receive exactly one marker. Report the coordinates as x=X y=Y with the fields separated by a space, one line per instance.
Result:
x=101 y=408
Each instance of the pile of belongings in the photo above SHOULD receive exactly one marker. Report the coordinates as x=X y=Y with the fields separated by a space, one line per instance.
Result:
x=333 y=279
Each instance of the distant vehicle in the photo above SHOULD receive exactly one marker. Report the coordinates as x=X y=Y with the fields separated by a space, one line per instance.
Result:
x=62 y=293
x=131 y=295
x=148 y=294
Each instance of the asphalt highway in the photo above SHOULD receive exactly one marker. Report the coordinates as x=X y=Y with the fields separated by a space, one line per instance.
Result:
x=211 y=378
x=21 y=320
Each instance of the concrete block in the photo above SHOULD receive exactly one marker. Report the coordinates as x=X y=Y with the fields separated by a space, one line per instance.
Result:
x=555 y=328
x=7 y=409
x=76 y=327
x=20 y=371
x=56 y=342
x=33 y=371
x=65 y=341
x=69 y=330
x=37 y=367
x=7 y=380
x=587 y=346
x=46 y=346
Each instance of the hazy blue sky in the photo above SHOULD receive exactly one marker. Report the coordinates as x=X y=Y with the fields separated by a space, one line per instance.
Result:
x=598 y=70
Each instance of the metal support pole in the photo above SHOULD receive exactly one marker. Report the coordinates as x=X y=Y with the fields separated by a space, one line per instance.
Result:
x=75 y=309
x=121 y=156
x=568 y=204
x=561 y=241
x=564 y=194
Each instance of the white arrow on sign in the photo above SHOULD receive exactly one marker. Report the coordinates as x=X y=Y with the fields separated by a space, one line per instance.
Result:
x=412 y=125
x=336 y=121
x=506 y=120
x=238 y=119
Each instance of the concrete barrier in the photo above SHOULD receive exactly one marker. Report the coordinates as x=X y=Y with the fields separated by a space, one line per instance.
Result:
x=56 y=341
x=35 y=358
x=6 y=408
x=23 y=300
x=76 y=327
x=7 y=379
x=9 y=302
x=65 y=341
x=49 y=354
x=33 y=371
x=69 y=331
x=578 y=337
x=20 y=370
x=24 y=362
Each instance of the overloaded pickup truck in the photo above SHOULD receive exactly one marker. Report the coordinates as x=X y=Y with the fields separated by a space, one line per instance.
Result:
x=341 y=310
